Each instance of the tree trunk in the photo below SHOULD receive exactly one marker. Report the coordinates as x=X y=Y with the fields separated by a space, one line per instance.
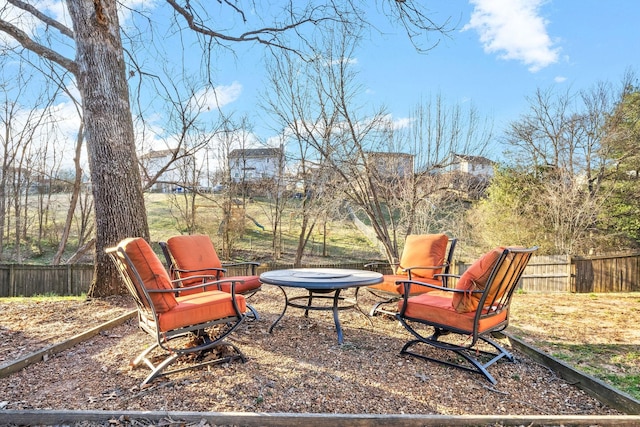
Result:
x=115 y=177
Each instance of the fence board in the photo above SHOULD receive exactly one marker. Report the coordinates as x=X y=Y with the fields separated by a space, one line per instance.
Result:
x=618 y=273
x=29 y=280
x=548 y=274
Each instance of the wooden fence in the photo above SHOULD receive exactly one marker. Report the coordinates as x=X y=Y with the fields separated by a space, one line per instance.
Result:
x=29 y=280
x=546 y=274
x=606 y=274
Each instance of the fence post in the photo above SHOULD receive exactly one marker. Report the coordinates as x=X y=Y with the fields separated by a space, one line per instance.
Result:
x=12 y=281
x=69 y=279
x=572 y=275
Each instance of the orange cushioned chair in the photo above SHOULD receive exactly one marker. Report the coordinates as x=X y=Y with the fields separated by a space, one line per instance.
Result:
x=467 y=315
x=425 y=257
x=196 y=323
x=194 y=259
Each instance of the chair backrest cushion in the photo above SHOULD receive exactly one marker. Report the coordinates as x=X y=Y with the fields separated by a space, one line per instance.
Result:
x=475 y=278
x=194 y=252
x=151 y=271
x=424 y=250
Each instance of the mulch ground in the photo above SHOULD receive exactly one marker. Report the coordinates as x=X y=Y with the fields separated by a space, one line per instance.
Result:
x=300 y=368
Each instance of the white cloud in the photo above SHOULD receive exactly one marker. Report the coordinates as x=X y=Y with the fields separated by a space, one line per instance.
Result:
x=212 y=98
x=402 y=123
x=560 y=79
x=56 y=10
x=514 y=30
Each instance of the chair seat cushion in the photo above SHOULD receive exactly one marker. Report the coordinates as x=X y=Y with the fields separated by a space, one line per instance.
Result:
x=390 y=286
x=200 y=308
x=436 y=308
x=194 y=253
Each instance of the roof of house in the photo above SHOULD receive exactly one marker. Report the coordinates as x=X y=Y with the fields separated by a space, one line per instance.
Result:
x=473 y=159
x=388 y=154
x=157 y=154
x=255 y=152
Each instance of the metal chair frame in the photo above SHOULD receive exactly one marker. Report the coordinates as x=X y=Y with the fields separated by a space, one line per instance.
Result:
x=204 y=336
x=391 y=297
x=495 y=298
x=250 y=268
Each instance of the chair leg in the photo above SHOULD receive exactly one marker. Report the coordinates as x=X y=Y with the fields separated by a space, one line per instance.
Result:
x=378 y=309
x=160 y=369
x=470 y=354
x=254 y=313
x=157 y=370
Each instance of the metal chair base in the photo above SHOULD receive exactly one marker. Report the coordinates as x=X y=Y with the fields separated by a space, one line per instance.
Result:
x=159 y=369
x=470 y=354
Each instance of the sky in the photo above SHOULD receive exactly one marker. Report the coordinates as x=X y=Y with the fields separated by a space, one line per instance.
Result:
x=506 y=49
x=499 y=53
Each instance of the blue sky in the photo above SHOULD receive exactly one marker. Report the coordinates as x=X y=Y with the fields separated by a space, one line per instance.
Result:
x=500 y=53
x=507 y=49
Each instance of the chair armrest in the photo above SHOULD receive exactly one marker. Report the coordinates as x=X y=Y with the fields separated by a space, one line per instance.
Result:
x=454 y=276
x=445 y=277
x=407 y=286
x=248 y=265
x=217 y=270
x=208 y=279
x=204 y=284
x=424 y=267
x=375 y=264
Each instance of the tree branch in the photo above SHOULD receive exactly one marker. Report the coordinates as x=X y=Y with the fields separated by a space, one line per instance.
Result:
x=249 y=36
x=26 y=42
x=41 y=16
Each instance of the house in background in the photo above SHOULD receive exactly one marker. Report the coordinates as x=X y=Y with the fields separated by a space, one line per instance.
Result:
x=255 y=164
x=152 y=163
x=468 y=176
x=476 y=166
x=391 y=165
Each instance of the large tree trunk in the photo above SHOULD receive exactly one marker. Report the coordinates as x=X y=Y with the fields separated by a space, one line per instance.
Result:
x=116 y=184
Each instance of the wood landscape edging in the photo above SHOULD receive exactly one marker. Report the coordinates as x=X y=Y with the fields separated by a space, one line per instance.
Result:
x=606 y=394
x=596 y=388
x=56 y=417
x=9 y=368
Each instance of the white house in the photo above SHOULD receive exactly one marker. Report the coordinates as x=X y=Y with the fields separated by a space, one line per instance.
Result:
x=152 y=162
x=392 y=165
x=477 y=166
x=253 y=164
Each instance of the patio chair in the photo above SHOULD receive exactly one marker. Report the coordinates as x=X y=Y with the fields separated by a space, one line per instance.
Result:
x=192 y=325
x=462 y=319
x=425 y=257
x=194 y=259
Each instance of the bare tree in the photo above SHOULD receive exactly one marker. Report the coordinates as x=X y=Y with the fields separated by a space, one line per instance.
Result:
x=99 y=69
x=371 y=159
x=431 y=198
x=20 y=146
x=76 y=191
x=292 y=99
x=559 y=143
